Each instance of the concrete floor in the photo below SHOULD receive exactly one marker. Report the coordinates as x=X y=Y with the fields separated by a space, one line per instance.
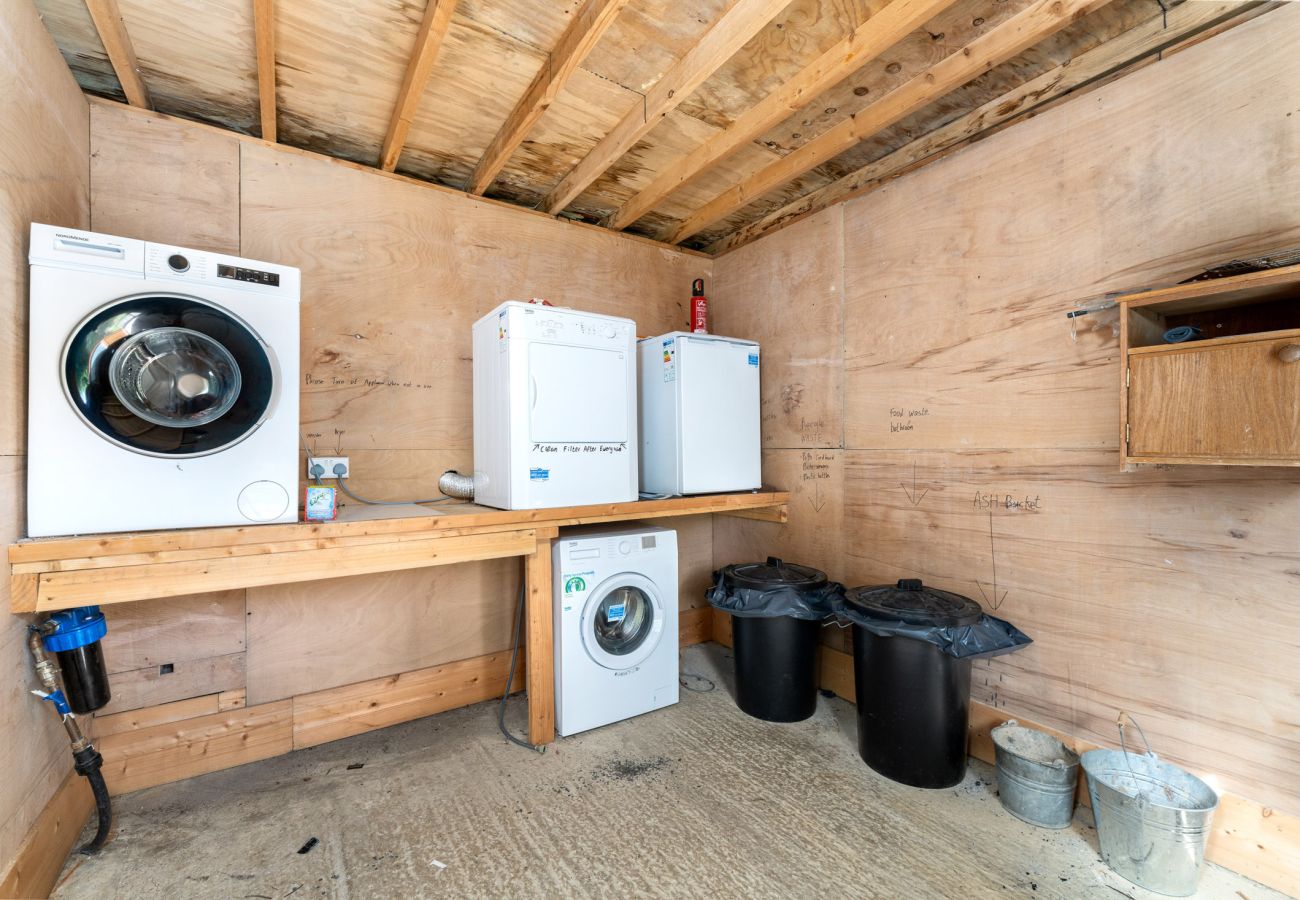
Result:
x=698 y=800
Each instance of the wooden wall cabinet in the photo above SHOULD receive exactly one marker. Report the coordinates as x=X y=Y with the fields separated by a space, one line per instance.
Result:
x=1228 y=397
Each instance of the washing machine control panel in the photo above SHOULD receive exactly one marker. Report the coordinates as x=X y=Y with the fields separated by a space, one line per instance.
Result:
x=623 y=546
x=239 y=273
x=197 y=267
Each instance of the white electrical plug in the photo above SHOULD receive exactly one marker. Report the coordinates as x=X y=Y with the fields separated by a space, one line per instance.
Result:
x=329 y=467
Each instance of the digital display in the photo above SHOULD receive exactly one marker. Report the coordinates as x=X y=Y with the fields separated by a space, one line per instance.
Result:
x=252 y=275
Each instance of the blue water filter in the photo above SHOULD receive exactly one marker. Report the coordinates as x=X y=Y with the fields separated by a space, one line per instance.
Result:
x=75 y=642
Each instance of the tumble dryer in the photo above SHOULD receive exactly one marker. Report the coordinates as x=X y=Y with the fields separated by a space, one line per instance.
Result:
x=615 y=609
x=554 y=407
x=163 y=386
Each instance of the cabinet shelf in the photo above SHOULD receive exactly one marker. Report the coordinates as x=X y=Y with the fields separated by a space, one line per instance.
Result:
x=1207 y=343
x=1231 y=395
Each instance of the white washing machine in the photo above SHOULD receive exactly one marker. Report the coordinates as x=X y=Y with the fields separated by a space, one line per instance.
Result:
x=615 y=624
x=163 y=386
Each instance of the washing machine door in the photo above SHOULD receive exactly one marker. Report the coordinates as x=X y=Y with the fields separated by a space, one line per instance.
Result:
x=169 y=375
x=623 y=621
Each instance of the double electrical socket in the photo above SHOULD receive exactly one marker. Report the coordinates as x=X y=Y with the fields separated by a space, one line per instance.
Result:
x=328 y=463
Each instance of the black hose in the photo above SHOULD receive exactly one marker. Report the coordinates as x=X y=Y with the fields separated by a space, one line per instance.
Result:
x=87 y=763
x=510 y=677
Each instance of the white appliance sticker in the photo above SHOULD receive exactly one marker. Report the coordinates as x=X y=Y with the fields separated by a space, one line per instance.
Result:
x=502 y=331
x=670 y=359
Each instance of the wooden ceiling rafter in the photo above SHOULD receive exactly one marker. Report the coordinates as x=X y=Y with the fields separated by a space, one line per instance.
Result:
x=865 y=43
x=264 y=40
x=107 y=18
x=1092 y=68
x=584 y=31
x=709 y=176
x=1028 y=27
x=428 y=41
x=733 y=30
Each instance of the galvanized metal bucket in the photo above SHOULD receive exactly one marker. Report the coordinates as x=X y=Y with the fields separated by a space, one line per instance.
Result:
x=1153 y=818
x=1037 y=775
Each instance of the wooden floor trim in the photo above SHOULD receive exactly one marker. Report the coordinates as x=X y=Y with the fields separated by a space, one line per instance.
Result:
x=175 y=748
x=40 y=858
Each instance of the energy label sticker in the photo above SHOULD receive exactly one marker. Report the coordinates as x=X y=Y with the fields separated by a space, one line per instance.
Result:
x=670 y=360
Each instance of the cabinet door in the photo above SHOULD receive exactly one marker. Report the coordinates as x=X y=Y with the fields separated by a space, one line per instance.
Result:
x=1237 y=400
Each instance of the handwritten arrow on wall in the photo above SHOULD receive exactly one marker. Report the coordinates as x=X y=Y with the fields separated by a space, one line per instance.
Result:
x=816 y=501
x=912 y=495
x=997 y=600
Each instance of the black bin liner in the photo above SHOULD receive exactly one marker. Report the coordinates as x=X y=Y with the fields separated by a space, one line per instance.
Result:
x=912 y=653
x=779 y=608
x=775 y=588
x=955 y=628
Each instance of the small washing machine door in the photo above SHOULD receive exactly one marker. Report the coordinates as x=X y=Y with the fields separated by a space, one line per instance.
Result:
x=169 y=375
x=623 y=621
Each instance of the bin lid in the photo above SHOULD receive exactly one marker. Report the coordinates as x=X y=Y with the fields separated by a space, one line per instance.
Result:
x=912 y=602
x=775 y=573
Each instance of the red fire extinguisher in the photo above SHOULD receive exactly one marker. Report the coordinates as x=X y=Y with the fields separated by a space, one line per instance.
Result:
x=699 y=308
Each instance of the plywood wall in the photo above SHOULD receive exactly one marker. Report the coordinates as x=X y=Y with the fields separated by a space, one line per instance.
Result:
x=394 y=274
x=44 y=163
x=977 y=433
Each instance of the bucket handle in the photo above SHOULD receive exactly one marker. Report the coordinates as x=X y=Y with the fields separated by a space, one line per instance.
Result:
x=1123 y=719
x=1126 y=719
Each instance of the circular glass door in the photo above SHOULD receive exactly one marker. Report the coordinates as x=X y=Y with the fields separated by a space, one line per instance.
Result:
x=169 y=375
x=622 y=621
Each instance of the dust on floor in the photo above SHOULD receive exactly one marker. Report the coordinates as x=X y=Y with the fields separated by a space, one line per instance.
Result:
x=694 y=801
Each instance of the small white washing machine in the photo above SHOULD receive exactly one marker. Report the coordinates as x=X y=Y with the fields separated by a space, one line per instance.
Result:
x=615 y=624
x=162 y=389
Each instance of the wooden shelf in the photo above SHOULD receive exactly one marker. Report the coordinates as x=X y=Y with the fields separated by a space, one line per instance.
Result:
x=57 y=573
x=1219 y=293
x=1209 y=343
x=47 y=574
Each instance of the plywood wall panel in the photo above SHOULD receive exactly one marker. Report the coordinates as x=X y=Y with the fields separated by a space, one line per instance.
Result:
x=152 y=686
x=955 y=311
x=813 y=535
x=786 y=294
x=44 y=177
x=159 y=179
x=177 y=629
x=321 y=634
x=977 y=431
x=1200 y=563
x=395 y=274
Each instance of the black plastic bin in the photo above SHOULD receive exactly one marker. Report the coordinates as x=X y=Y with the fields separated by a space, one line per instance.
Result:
x=777 y=611
x=912 y=653
x=776 y=667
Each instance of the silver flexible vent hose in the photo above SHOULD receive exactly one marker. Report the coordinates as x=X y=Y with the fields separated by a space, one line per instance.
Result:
x=454 y=484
